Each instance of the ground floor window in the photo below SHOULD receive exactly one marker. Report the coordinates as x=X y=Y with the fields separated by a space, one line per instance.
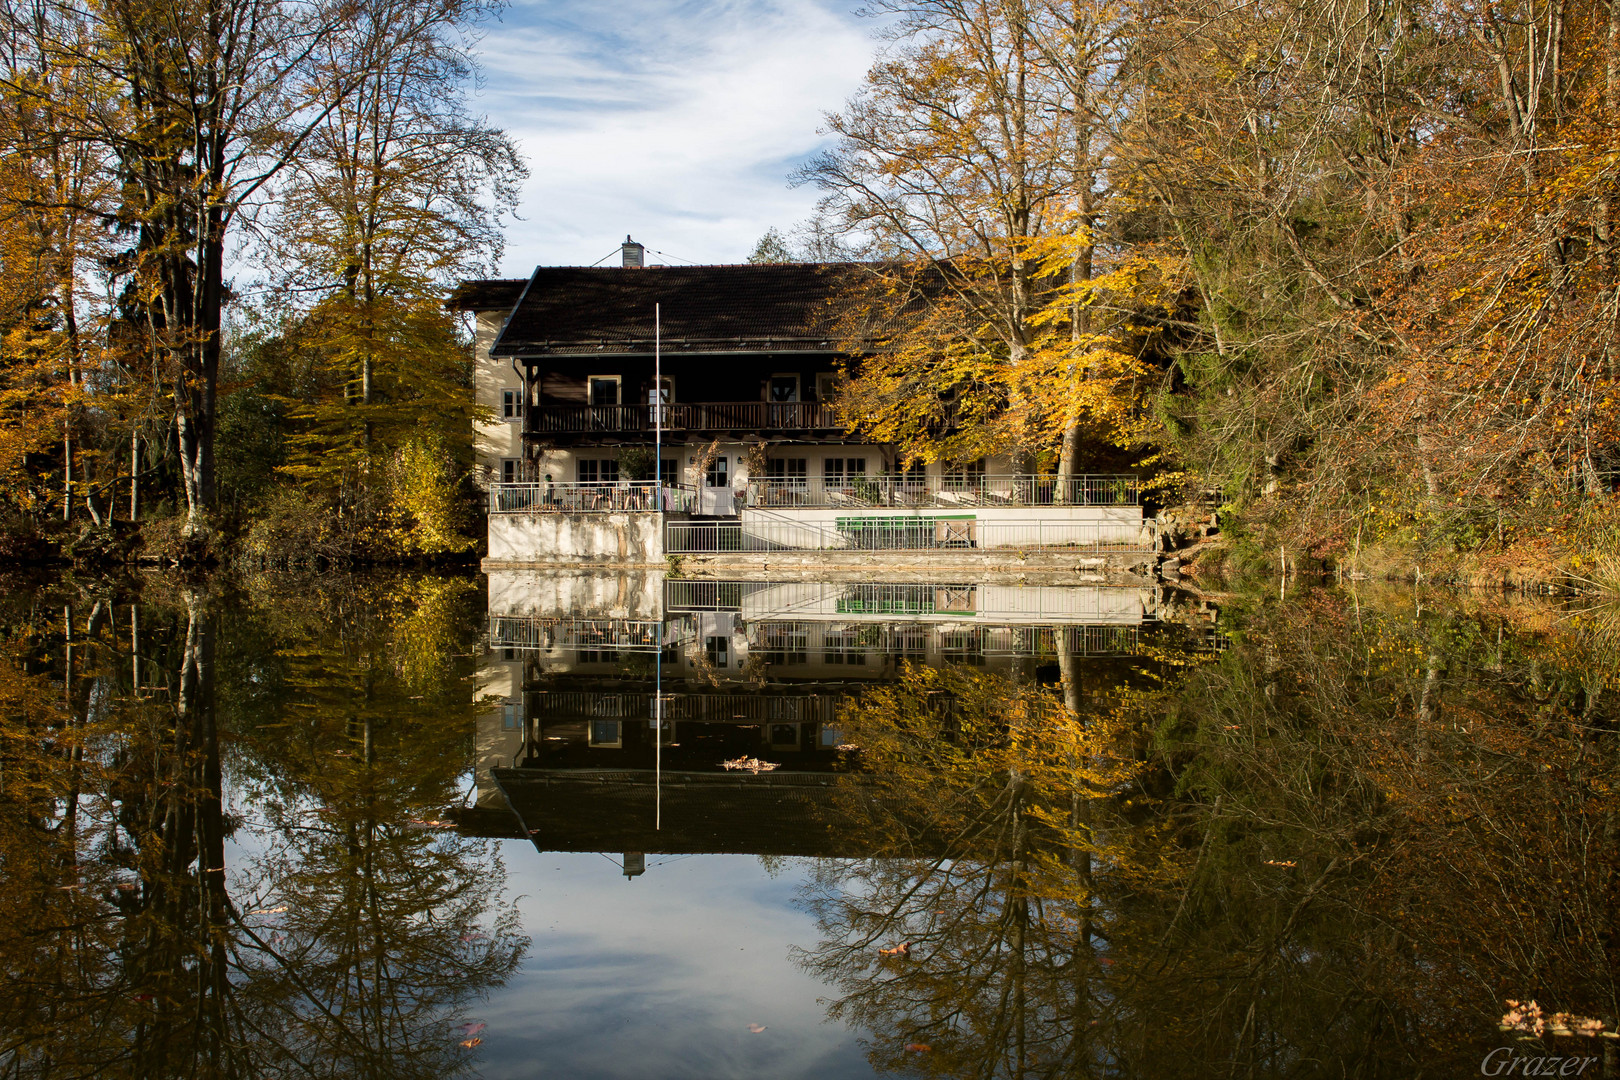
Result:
x=839 y=471
x=965 y=477
x=791 y=469
x=598 y=471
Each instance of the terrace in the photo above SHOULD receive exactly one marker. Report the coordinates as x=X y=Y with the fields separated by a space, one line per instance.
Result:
x=954 y=489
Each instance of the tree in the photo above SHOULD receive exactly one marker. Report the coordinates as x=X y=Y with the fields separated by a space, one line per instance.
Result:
x=772 y=248
x=200 y=109
x=978 y=154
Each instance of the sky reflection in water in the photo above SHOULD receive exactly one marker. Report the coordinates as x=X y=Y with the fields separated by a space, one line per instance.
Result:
x=1337 y=835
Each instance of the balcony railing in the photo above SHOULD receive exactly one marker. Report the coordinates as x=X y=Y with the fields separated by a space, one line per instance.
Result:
x=712 y=416
x=950 y=490
x=619 y=496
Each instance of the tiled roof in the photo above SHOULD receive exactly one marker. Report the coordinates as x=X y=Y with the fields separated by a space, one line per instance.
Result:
x=753 y=308
x=488 y=294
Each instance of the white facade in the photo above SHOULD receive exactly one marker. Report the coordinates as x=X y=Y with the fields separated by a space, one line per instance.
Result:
x=498 y=443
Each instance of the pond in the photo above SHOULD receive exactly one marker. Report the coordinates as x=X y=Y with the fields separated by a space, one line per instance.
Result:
x=617 y=825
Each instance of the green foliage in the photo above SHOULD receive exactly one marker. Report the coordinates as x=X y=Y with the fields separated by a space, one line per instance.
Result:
x=772 y=248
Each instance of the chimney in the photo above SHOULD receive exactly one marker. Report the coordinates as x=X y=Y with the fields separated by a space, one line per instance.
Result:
x=632 y=253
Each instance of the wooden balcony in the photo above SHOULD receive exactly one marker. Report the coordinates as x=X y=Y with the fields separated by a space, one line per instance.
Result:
x=635 y=423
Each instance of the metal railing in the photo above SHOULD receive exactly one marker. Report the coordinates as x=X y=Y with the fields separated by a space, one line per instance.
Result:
x=623 y=635
x=712 y=708
x=574 y=498
x=707 y=416
x=908 y=533
x=959 y=489
x=912 y=641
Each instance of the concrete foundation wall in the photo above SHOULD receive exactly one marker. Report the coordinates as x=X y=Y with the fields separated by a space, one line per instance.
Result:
x=563 y=593
x=627 y=539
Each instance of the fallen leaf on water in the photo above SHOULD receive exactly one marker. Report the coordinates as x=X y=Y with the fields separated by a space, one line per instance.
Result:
x=756 y=1028
x=902 y=949
x=433 y=823
x=1105 y=961
x=918 y=1048
x=474 y=1028
x=470 y=1043
x=143 y=997
x=847 y=747
x=1290 y=864
x=127 y=886
x=80 y=885
x=751 y=764
x=269 y=910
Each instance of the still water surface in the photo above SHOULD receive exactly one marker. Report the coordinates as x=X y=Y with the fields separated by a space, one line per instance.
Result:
x=401 y=826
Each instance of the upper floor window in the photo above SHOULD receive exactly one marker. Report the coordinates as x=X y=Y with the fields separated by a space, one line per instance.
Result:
x=604 y=389
x=784 y=388
x=511 y=404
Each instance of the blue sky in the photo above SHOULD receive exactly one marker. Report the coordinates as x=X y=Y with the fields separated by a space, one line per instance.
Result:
x=676 y=121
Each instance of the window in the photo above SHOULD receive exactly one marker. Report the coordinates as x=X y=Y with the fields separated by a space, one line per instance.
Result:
x=786 y=643
x=512 y=716
x=841 y=647
x=784 y=736
x=965 y=477
x=604 y=390
x=785 y=480
x=598 y=470
x=599 y=656
x=512 y=404
x=606 y=733
x=669 y=471
x=718 y=650
x=717 y=477
x=655 y=414
x=839 y=471
x=509 y=470
x=824 y=386
x=784 y=388
x=913 y=477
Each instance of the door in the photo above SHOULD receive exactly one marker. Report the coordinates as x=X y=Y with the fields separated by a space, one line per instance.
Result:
x=784 y=395
x=604 y=397
x=714 y=496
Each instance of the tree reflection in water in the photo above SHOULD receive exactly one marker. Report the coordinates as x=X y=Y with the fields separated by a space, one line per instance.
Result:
x=316 y=927
x=1335 y=849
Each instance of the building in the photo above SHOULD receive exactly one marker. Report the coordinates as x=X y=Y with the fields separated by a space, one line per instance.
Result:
x=752 y=455
x=566 y=358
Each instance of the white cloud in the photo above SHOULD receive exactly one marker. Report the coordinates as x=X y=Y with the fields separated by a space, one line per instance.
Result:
x=675 y=122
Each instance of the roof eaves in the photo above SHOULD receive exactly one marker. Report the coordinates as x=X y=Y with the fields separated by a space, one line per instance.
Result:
x=496 y=347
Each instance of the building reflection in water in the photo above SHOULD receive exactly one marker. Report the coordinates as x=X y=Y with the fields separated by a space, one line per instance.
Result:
x=567 y=753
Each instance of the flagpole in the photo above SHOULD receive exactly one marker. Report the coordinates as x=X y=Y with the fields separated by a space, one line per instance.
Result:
x=658 y=476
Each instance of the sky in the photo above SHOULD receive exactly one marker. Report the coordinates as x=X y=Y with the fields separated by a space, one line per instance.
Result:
x=674 y=121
